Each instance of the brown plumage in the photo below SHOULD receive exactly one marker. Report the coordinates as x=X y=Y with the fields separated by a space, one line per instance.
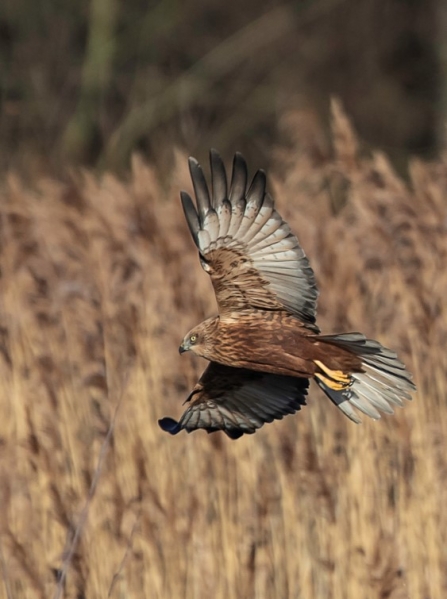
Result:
x=264 y=345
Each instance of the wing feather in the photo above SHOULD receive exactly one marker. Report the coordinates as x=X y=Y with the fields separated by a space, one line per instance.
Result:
x=200 y=188
x=254 y=201
x=282 y=250
x=262 y=217
x=238 y=401
x=237 y=214
x=203 y=238
x=275 y=236
x=270 y=227
x=252 y=256
x=211 y=224
x=218 y=180
x=224 y=216
x=191 y=215
x=239 y=178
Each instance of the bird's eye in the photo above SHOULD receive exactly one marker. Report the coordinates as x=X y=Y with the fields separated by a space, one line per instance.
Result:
x=193 y=338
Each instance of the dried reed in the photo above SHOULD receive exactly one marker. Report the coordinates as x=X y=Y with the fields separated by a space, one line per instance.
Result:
x=99 y=282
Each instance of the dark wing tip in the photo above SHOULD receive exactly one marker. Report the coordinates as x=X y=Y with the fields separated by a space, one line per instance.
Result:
x=173 y=427
x=235 y=433
x=239 y=164
x=185 y=197
x=200 y=187
x=214 y=155
x=257 y=187
x=169 y=425
x=218 y=178
x=239 y=177
x=193 y=163
x=190 y=214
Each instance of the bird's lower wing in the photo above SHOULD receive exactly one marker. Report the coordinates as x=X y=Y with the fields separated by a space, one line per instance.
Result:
x=238 y=401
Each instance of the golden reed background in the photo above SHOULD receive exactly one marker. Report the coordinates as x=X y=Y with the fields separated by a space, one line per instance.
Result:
x=99 y=282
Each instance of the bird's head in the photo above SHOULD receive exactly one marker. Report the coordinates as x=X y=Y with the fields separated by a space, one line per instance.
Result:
x=200 y=339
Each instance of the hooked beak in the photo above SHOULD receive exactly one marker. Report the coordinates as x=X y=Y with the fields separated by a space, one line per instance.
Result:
x=182 y=349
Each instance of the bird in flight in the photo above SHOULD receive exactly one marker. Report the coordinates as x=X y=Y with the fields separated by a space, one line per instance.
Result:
x=264 y=345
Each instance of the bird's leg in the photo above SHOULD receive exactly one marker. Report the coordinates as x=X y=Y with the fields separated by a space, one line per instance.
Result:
x=335 y=379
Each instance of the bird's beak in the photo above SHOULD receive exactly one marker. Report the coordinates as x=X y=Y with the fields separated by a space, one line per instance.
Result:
x=182 y=349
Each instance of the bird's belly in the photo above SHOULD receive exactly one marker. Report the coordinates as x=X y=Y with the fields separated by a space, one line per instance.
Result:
x=269 y=357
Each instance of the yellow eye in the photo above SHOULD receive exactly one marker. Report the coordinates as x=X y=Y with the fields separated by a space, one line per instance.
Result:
x=193 y=338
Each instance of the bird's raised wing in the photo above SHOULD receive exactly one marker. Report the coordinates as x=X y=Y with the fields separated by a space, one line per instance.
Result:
x=253 y=258
x=238 y=401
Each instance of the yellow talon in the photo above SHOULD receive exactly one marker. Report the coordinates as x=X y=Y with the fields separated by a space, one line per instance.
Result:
x=330 y=383
x=337 y=379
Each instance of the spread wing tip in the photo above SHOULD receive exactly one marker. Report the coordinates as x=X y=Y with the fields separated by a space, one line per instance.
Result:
x=257 y=187
x=194 y=165
x=200 y=187
x=239 y=178
x=218 y=178
x=214 y=155
x=192 y=218
x=170 y=425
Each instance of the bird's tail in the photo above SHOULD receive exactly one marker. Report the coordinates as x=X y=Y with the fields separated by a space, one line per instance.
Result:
x=384 y=382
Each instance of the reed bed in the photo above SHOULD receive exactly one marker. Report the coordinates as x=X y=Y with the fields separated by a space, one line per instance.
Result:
x=100 y=281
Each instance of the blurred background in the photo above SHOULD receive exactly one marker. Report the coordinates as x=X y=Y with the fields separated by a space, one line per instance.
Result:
x=99 y=281
x=89 y=82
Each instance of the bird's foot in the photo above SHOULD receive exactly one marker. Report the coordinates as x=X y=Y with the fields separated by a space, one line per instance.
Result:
x=335 y=379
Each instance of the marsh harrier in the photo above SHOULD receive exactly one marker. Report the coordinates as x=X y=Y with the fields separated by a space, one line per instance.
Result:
x=264 y=345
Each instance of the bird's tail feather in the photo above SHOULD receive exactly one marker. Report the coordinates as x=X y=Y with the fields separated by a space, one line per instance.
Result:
x=384 y=382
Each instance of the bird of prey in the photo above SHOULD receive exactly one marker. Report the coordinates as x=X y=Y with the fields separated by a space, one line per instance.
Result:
x=264 y=345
